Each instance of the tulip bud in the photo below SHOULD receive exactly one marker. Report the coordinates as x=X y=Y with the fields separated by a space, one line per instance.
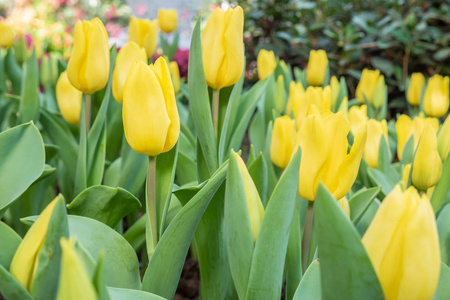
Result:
x=367 y=85
x=150 y=115
x=283 y=141
x=357 y=116
x=25 y=260
x=175 y=72
x=375 y=130
x=415 y=88
x=254 y=204
x=427 y=164
x=335 y=88
x=266 y=63
x=436 y=99
x=317 y=67
x=21 y=50
x=54 y=59
x=45 y=71
x=295 y=98
x=403 y=237
x=88 y=67
x=144 y=33
x=74 y=280
x=127 y=56
x=343 y=203
x=444 y=139
x=379 y=96
x=323 y=139
x=69 y=99
x=167 y=19
x=280 y=94
x=223 y=47
x=6 y=36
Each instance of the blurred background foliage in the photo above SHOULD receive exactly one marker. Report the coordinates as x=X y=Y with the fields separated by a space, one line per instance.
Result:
x=396 y=36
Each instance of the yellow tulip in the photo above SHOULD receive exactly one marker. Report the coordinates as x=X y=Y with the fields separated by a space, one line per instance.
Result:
x=88 y=67
x=127 y=56
x=74 y=280
x=375 y=130
x=266 y=63
x=402 y=243
x=6 y=36
x=357 y=116
x=415 y=88
x=295 y=98
x=144 y=33
x=379 y=96
x=26 y=258
x=335 y=88
x=368 y=85
x=223 y=47
x=444 y=139
x=436 y=98
x=69 y=99
x=323 y=140
x=317 y=67
x=254 y=204
x=283 y=141
x=167 y=19
x=150 y=115
x=320 y=97
x=427 y=164
x=407 y=128
x=175 y=72
x=343 y=203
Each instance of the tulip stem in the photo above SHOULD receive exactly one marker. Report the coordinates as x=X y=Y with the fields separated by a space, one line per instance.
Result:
x=307 y=235
x=151 y=206
x=88 y=112
x=215 y=111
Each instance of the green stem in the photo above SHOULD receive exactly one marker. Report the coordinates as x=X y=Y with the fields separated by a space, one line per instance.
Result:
x=88 y=112
x=307 y=235
x=151 y=205
x=215 y=111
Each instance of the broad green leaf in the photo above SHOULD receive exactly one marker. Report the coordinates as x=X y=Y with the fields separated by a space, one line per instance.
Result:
x=384 y=157
x=186 y=170
x=442 y=187
x=380 y=179
x=293 y=268
x=99 y=278
x=360 y=201
x=367 y=217
x=199 y=101
x=166 y=263
x=105 y=204
x=133 y=170
x=408 y=151
x=269 y=99
x=443 y=226
x=121 y=294
x=29 y=99
x=443 y=288
x=10 y=288
x=112 y=174
x=10 y=241
x=258 y=172
x=342 y=254
x=22 y=160
x=257 y=131
x=135 y=235
x=309 y=287
x=266 y=273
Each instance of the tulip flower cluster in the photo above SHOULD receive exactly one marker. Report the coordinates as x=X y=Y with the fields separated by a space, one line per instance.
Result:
x=293 y=183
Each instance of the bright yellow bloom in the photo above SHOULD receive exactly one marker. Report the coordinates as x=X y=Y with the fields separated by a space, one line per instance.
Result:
x=280 y=94
x=283 y=141
x=368 y=85
x=357 y=116
x=295 y=98
x=175 y=72
x=223 y=47
x=427 y=164
x=69 y=99
x=415 y=88
x=444 y=139
x=168 y=20
x=127 y=56
x=144 y=33
x=335 y=88
x=379 y=96
x=402 y=243
x=6 y=36
x=436 y=98
x=88 y=67
x=254 y=204
x=407 y=128
x=317 y=67
x=343 y=203
x=375 y=130
x=74 y=280
x=266 y=63
x=320 y=97
x=150 y=115
x=323 y=140
x=26 y=258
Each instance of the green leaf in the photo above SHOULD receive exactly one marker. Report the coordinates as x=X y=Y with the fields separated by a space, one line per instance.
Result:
x=166 y=263
x=408 y=151
x=29 y=100
x=360 y=201
x=345 y=267
x=270 y=98
x=135 y=235
x=309 y=287
x=10 y=242
x=443 y=288
x=293 y=268
x=443 y=227
x=81 y=171
x=134 y=168
x=266 y=273
x=199 y=101
x=14 y=72
x=442 y=187
x=384 y=157
x=22 y=161
x=257 y=131
x=384 y=65
x=99 y=278
x=105 y=204
x=10 y=288
x=258 y=172
x=367 y=217
x=380 y=179
x=120 y=294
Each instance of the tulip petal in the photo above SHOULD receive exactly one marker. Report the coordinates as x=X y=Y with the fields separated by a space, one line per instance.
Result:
x=403 y=127
x=233 y=62
x=69 y=99
x=283 y=141
x=77 y=57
